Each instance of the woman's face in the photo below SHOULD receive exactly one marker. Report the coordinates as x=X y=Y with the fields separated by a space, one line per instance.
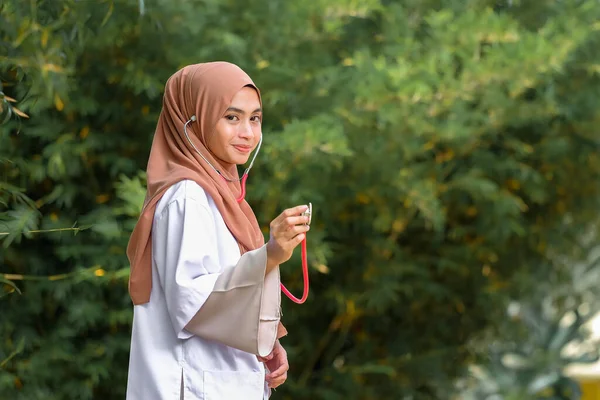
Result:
x=238 y=132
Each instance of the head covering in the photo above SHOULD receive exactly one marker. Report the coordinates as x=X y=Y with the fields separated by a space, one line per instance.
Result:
x=206 y=91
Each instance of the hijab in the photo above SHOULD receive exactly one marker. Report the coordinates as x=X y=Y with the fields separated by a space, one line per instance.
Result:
x=206 y=91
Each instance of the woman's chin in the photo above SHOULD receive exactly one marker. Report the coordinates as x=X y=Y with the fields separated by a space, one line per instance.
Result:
x=239 y=160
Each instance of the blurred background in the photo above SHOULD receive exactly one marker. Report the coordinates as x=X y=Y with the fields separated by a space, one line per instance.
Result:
x=450 y=149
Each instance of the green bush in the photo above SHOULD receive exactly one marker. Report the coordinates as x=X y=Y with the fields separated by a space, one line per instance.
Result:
x=445 y=145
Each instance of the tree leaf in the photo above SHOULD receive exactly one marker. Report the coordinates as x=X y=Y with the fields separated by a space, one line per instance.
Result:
x=19 y=112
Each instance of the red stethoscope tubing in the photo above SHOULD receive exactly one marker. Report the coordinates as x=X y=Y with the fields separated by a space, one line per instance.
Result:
x=243 y=185
x=304 y=274
x=303 y=249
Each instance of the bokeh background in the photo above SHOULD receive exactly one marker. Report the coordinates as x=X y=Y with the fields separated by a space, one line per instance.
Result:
x=450 y=149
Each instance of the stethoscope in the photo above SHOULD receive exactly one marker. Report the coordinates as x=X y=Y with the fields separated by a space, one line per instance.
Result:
x=242 y=180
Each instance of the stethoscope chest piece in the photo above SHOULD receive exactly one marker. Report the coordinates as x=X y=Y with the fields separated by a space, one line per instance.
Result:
x=308 y=213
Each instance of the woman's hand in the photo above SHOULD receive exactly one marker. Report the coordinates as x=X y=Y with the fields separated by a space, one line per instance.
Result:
x=287 y=231
x=277 y=364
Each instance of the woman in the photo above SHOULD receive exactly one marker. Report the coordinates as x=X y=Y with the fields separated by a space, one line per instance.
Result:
x=204 y=285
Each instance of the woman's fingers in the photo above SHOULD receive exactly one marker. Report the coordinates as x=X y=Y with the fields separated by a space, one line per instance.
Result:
x=279 y=376
x=293 y=221
x=283 y=368
x=287 y=233
x=298 y=239
x=294 y=231
x=290 y=212
x=290 y=222
x=275 y=382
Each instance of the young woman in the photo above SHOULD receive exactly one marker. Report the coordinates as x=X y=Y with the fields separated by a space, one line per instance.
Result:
x=205 y=287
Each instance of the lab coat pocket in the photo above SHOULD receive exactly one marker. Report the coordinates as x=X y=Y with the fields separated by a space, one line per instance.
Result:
x=221 y=385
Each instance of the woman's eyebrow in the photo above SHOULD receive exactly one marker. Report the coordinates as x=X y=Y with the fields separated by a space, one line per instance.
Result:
x=237 y=110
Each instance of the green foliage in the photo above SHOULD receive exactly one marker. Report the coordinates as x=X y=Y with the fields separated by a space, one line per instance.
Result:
x=535 y=368
x=542 y=335
x=446 y=147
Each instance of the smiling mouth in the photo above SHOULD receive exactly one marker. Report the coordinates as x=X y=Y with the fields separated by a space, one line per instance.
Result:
x=243 y=149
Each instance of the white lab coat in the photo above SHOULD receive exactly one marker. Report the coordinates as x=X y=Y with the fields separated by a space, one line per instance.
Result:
x=197 y=266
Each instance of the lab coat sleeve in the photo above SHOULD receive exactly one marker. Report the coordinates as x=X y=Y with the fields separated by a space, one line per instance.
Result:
x=243 y=309
x=236 y=305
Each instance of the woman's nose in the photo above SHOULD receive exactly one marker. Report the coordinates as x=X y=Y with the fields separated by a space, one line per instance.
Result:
x=246 y=130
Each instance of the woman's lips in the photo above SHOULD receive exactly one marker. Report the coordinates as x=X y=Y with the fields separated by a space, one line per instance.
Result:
x=243 y=149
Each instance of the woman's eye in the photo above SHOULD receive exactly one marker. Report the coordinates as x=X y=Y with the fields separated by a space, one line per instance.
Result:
x=256 y=118
x=231 y=118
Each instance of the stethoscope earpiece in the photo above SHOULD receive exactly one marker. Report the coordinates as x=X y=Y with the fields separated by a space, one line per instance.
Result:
x=193 y=118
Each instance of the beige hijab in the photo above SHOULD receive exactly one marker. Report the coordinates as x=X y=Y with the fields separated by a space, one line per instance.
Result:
x=204 y=90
